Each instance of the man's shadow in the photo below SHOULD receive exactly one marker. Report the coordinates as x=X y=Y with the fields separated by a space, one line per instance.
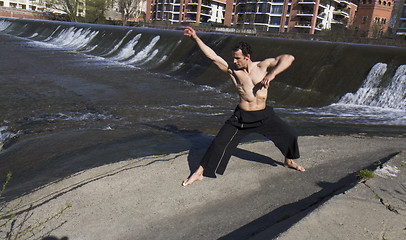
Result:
x=199 y=144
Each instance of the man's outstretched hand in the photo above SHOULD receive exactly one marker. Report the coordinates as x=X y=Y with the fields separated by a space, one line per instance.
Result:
x=190 y=32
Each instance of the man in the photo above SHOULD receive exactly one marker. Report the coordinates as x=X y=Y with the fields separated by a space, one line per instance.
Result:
x=251 y=115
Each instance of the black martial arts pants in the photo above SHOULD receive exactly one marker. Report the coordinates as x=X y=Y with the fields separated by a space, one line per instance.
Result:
x=239 y=125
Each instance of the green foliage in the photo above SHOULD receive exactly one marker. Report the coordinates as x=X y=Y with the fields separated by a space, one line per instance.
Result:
x=73 y=8
x=365 y=174
x=10 y=215
x=95 y=10
x=128 y=9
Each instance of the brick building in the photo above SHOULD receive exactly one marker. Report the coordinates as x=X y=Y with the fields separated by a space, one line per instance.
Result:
x=309 y=16
x=190 y=11
x=373 y=17
x=305 y=16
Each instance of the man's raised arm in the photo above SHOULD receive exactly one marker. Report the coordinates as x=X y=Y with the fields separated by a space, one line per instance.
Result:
x=220 y=62
x=277 y=65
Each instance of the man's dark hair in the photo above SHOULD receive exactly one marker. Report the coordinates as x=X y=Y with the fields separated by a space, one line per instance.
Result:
x=245 y=48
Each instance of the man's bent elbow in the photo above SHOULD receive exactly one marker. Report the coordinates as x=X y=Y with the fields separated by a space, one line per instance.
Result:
x=289 y=57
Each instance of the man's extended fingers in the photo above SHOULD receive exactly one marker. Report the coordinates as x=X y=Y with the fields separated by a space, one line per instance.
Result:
x=265 y=83
x=188 y=31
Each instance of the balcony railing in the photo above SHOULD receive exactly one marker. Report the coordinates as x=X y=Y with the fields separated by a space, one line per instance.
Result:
x=307 y=2
x=305 y=13
x=341 y=13
x=304 y=25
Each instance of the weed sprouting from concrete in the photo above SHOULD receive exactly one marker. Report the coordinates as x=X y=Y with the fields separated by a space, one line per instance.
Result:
x=365 y=174
x=9 y=216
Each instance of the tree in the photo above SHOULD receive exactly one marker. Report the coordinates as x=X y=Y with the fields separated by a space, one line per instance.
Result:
x=377 y=30
x=128 y=9
x=71 y=7
x=95 y=10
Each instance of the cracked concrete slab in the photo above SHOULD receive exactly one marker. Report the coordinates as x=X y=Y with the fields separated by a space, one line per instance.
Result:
x=143 y=198
x=374 y=209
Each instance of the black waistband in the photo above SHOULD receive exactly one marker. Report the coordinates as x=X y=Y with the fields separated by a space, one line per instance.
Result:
x=252 y=116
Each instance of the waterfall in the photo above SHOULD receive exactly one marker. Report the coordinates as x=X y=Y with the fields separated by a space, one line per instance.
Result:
x=372 y=93
x=394 y=96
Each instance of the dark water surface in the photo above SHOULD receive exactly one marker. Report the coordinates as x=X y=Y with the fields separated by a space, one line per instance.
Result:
x=75 y=97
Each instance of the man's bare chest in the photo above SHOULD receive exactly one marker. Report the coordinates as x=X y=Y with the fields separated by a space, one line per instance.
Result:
x=251 y=79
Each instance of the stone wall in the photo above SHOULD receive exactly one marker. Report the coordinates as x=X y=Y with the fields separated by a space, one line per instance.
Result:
x=21 y=13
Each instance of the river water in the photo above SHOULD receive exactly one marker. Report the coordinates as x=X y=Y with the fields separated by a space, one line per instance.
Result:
x=75 y=96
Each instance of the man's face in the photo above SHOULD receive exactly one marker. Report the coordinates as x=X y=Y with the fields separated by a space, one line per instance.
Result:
x=240 y=60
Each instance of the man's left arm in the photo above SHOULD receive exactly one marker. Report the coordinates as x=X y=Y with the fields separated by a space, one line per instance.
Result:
x=277 y=65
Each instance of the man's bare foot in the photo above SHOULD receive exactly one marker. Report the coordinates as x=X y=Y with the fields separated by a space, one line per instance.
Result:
x=291 y=164
x=197 y=175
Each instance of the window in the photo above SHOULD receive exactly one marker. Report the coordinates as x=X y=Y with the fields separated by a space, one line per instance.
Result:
x=377 y=20
x=262 y=7
x=261 y=18
x=402 y=24
x=364 y=19
x=277 y=9
x=276 y=21
x=250 y=8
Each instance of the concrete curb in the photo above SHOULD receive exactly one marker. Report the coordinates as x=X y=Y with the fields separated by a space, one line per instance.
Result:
x=374 y=209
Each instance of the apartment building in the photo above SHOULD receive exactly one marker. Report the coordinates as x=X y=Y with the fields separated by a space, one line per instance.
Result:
x=312 y=16
x=22 y=4
x=23 y=8
x=309 y=16
x=373 y=17
x=397 y=23
x=189 y=11
x=265 y=15
x=401 y=26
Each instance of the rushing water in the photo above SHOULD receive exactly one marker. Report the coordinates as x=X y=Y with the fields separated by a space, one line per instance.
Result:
x=75 y=96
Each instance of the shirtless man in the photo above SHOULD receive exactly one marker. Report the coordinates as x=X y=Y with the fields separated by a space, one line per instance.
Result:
x=252 y=80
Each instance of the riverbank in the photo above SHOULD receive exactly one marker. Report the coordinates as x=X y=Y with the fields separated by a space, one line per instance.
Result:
x=143 y=198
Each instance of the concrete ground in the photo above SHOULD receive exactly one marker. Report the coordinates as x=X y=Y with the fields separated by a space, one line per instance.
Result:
x=373 y=209
x=256 y=198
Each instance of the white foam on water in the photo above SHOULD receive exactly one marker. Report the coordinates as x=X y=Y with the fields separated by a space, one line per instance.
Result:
x=145 y=53
x=74 y=38
x=128 y=50
x=4 y=25
x=372 y=93
x=369 y=88
x=349 y=114
x=150 y=57
x=52 y=34
x=374 y=103
x=118 y=44
x=33 y=35
x=72 y=116
x=394 y=96
x=5 y=135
